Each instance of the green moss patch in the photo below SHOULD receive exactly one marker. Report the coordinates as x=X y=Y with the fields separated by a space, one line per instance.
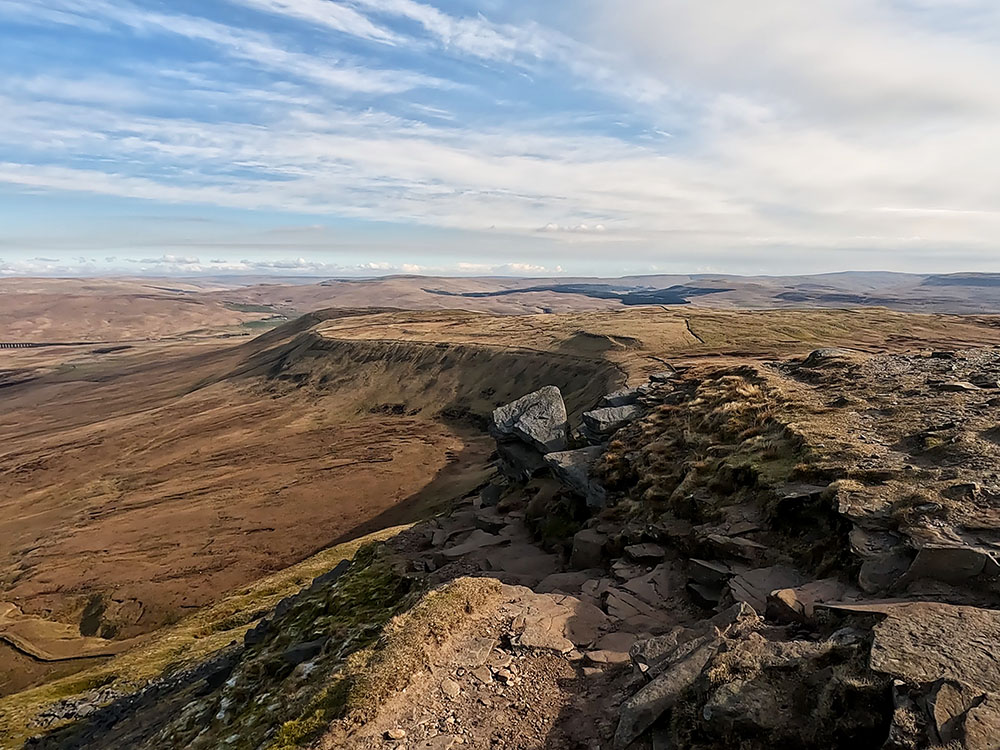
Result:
x=188 y=642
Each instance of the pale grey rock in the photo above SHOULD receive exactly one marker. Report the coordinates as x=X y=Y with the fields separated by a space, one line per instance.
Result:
x=476 y=541
x=754 y=586
x=539 y=419
x=952 y=564
x=572 y=468
x=610 y=419
x=642 y=710
x=624 y=397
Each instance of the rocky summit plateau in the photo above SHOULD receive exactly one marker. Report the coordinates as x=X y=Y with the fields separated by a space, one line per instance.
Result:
x=642 y=529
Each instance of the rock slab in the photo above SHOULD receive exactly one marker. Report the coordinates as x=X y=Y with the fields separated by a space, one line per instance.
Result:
x=538 y=419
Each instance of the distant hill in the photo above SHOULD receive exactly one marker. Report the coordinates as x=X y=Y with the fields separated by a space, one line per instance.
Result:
x=105 y=310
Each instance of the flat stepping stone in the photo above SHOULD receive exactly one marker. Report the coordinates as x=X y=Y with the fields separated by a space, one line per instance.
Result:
x=605 y=658
x=754 y=586
x=568 y=583
x=476 y=541
x=646 y=553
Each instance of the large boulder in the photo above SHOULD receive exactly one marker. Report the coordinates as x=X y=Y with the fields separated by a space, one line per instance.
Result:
x=538 y=419
x=520 y=462
x=953 y=564
x=610 y=419
x=643 y=709
x=942 y=658
x=821 y=357
x=754 y=586
x=922 y=642
x=572 y=468
x=763 y=694
x=757 y=692
x=588 y=549
x=624 y=397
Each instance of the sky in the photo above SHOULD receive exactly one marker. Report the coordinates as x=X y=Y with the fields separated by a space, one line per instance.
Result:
x=578 y=137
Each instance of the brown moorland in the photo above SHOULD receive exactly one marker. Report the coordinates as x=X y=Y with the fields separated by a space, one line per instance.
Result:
x=141 y=486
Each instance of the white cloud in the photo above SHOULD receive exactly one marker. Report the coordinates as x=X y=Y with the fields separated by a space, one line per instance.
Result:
x=101 y=89
x=575 y=229
x=252 y=48
x=506 y=269
x=821 y=130
x=474 y=36
x=167 y=260
x=325 y=13
x=858 y=59
x=189 y=265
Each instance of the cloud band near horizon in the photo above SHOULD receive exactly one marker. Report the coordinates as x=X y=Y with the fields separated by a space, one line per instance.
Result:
x=587 y=137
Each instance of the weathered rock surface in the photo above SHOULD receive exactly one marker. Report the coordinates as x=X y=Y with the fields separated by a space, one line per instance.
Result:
x=640 y=711
x=754 y=586
x=477 y=540
x=887 y=490
x=645 y=553
x=922 y=642
x=588 y=549
x=664 y=376
x=799 y=604
x=539 y=419
x=610 y=419
x=821 y=357
x=520 y=462
x=981 y=728
x=573 y=468
x=624 y=397
x=953 y=564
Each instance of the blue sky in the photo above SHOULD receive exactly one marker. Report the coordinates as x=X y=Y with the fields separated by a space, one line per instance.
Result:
x=575 y=137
